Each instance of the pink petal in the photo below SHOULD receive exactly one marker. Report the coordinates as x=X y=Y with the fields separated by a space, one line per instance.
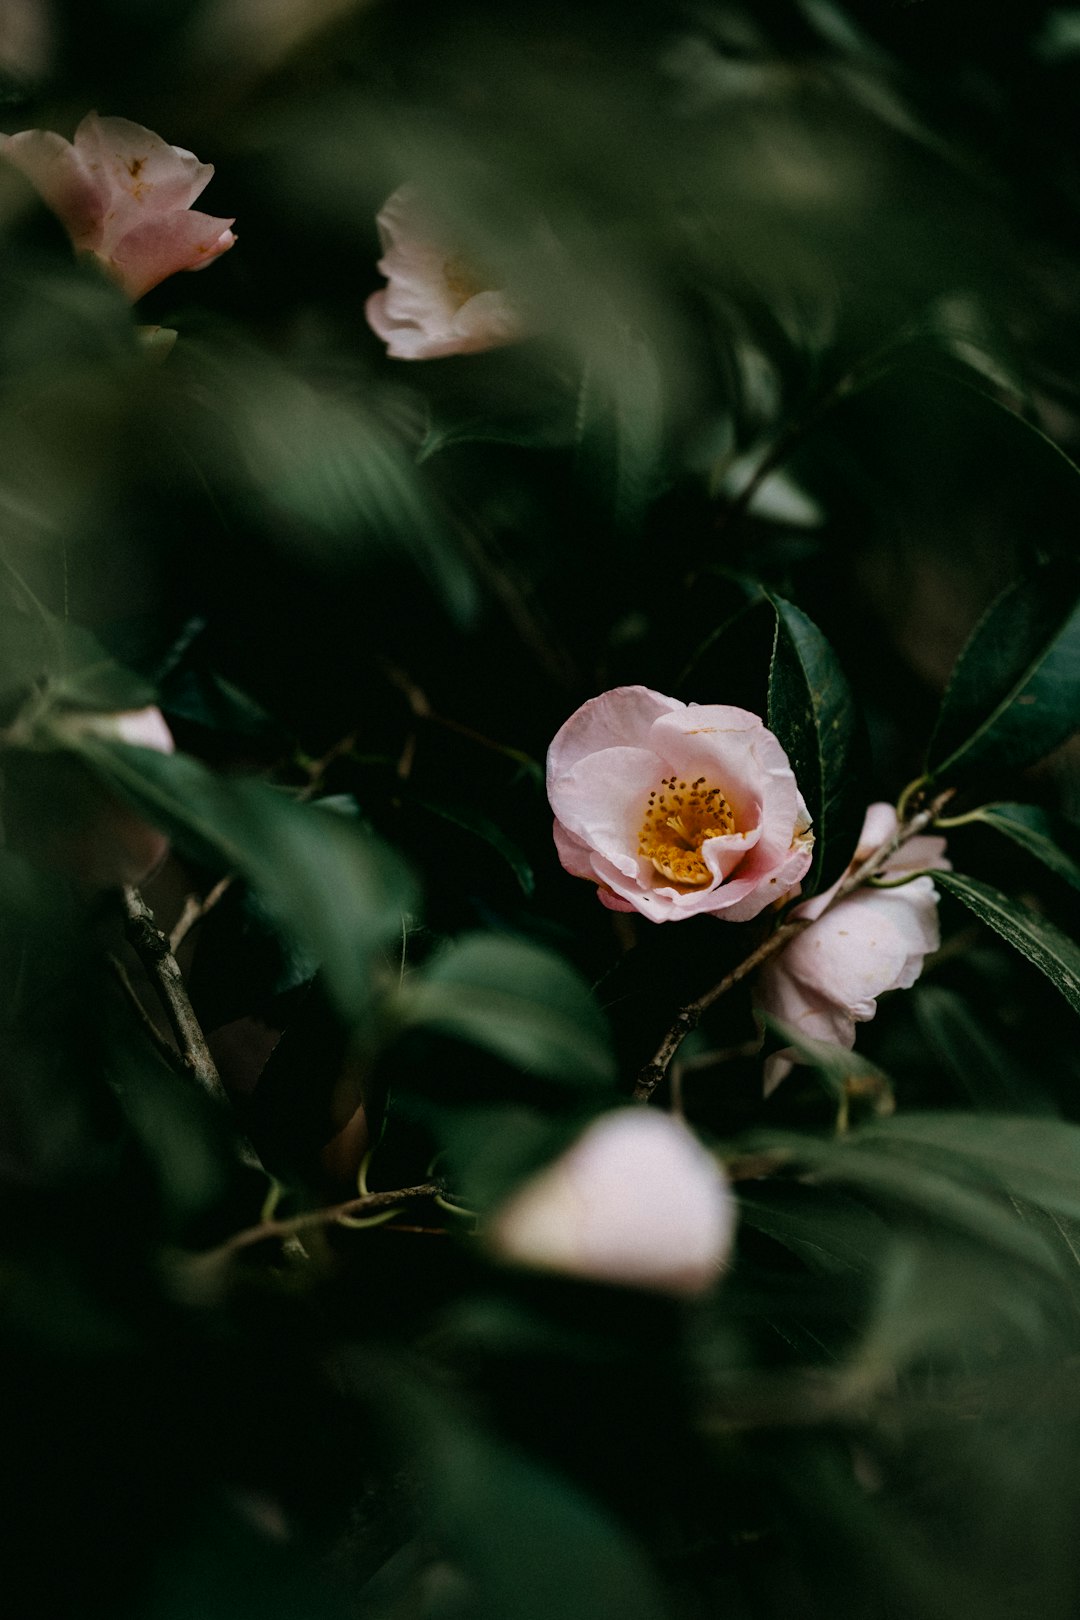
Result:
x=161 y=246
x=62 y=180
x=601 y=801
x=620 y=718
x=141 y=175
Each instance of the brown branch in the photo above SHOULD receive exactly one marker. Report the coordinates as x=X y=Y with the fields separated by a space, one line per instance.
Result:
x=152 y=948
x=284 y=1230
x=688 y=1017
x=196 y=908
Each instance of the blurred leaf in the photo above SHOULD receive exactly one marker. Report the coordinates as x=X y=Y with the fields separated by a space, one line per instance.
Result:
x=937 y=1196
x=1031 y=934
x=830 y=1232
x=518 y=1000
x=475 y=822
x=812 y=711
x=326 y=881
x=1035 y=1159
x=1014 y=693
x=39 y=649
x=620 y=421
x=1034 y=830
x=983 y=1068
x=343 y=484
x=526 y=1542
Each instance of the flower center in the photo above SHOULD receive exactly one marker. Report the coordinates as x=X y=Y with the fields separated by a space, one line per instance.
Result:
x=678 y=819
x=462 y=281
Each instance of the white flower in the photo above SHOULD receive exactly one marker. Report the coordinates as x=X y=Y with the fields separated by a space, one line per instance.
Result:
x=637 y=1201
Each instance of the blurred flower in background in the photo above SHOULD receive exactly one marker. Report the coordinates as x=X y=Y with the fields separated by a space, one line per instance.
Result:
x=436 y=303
x=124 y=196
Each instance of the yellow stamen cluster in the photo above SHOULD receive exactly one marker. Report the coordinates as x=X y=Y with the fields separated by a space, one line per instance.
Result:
x=678 y=819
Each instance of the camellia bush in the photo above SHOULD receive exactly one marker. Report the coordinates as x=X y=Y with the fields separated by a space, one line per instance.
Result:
x=539 y=810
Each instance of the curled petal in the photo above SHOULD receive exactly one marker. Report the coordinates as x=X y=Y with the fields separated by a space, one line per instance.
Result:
x=159 y=247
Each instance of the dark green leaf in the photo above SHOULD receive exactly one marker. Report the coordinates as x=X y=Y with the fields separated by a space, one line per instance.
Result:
x=529 y=1543
x=830 y=1232
x=985 y=1071
x=475 y=822
x=1014 y=693
x=1034 y=1159
x=936 y=1196
x=1031 y=934
x=1034 y=830
x=327 y=882
x=517 y=1000
x=812 y=711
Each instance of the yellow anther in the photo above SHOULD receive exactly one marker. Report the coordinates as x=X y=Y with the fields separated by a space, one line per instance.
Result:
x=671 y=836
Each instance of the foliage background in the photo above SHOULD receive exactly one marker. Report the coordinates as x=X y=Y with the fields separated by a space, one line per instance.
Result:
x=809 y=298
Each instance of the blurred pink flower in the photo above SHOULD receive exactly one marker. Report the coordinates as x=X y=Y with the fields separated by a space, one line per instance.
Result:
x=674 y=809
x=434 y=304
x=637 y=1201
x=101 y=841
x=123 y=196
x=827 y=979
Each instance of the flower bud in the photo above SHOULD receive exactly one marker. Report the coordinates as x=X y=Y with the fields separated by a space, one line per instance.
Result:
x=637 y=1202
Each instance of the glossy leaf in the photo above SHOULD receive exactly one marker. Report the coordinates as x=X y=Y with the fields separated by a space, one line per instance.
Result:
x=483 y=827
x=1014 y=693
x=1034 y=830
x=518 y=1000
x=812 y=711
x=1034 y=936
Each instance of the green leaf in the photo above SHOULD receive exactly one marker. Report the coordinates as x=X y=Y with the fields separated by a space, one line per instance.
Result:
x=474 y=821
x=518 y=1000
x=812 y=711
x=37 y=648
x=1014 y=693
x=934 y=1194
x=982 y=1067
x=1032 y=935
x=326 y=881
x=1034 y=1159
x=1034 y=830
x=529 y=1543
x=832 y=1234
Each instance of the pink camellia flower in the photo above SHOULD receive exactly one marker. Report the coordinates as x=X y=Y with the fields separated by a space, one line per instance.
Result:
x=636 y=1201
x=124 y=196
x=435 y=304
x=827 y=979
x=673 y=808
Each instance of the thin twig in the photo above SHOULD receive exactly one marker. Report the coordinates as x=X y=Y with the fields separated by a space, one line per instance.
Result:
x=196 y=908
x=152 y=948
x=332 y=1215
x=690 y=1016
